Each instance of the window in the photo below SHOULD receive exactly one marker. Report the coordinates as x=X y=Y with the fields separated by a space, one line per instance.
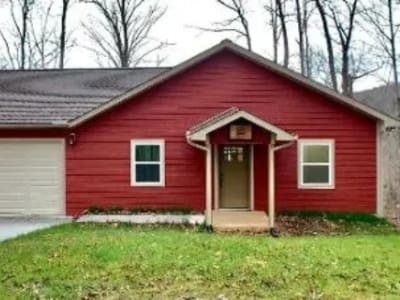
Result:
x=316 y=167
x=147 y=163
x=234 y=153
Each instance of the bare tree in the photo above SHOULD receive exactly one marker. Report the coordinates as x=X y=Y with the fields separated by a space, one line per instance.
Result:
x=300 y=29
x=381 y=17
x=303 y=15
x=42 y=42
x=63 y=32
x=283 y=23
x=273 y=23
x=344 y=23
x=362 y=63
x=15 y=41
x=319 y=68
x=30 y=39
x=22 y=27
x=8 y=57
x=122 y=32
x=238 y=23
x=321 y=7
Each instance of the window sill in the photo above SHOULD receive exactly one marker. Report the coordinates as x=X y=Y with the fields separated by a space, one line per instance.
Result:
x=316 y=187
x=147 y=184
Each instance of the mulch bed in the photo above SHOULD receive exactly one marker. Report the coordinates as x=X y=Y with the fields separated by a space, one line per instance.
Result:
x=297 y=226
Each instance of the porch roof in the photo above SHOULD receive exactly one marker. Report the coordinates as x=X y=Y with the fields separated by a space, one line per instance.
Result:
x=200 y=131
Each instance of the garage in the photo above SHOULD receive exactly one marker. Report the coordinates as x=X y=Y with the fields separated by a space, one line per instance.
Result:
x=32 y=177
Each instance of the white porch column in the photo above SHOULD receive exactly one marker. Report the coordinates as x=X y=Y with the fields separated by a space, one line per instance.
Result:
x=208 y=182
x=271 y=181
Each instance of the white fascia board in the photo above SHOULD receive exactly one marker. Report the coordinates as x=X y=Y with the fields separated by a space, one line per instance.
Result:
x=281 y=135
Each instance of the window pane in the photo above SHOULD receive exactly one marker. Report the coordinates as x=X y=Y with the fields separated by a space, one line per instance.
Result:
x=316 y=174
x=147 y=153
x=316 y=153
x=147 y=173
x=234 y=154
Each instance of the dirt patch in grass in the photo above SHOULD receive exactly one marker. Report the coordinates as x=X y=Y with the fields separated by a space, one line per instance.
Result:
x=294 y=225
x=318 y=223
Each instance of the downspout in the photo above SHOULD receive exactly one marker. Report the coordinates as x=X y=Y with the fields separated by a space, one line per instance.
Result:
x=207 y=150
x=271 y=187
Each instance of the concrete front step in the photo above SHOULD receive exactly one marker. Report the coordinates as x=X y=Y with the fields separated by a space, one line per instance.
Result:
x=240 y=221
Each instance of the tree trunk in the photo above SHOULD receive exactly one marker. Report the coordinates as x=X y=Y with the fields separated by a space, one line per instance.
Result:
x=307 y=47
x=329 y=45
x=300 y=30
x=282 y=18
x=248 y=36
x=245 y=25
x=63 y=32
x=272 y=11
x=25 y=12
x=346 y=78
x=394 y=54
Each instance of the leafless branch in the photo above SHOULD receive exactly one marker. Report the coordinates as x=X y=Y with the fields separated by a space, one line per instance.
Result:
x=122 y=30
x=238 y=24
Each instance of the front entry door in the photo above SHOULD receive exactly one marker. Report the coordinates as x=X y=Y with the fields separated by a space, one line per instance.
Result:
x=234 y=179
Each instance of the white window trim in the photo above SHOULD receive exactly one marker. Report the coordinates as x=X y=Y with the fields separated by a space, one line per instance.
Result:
x=331 y=163
x=161 y=163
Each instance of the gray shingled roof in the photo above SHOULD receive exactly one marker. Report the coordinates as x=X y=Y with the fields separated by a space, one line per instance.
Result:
x=382 y=98
x=57 y=96
x=213 y=120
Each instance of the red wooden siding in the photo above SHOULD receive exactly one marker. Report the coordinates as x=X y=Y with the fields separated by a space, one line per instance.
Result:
x=260 y=177
x=98 y=165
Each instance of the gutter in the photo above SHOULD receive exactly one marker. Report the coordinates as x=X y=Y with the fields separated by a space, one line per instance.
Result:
x=193 y=144
x=52 y=125
x=286 y=145
x=34 y=126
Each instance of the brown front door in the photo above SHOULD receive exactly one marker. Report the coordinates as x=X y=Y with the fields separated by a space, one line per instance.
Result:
x=234 y=179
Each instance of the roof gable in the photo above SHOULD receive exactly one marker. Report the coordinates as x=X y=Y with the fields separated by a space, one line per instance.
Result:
x=199 y=132
x=250 y=56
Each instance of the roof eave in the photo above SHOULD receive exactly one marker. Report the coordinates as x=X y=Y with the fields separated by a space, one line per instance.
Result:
x=34 y=126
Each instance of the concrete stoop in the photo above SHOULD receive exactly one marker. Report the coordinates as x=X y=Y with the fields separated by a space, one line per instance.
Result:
x=240 y=221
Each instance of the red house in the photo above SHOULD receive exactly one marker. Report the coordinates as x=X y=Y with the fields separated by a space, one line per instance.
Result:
x=225 y=130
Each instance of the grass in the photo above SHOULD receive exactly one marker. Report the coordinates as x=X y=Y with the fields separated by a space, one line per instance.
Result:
x=84 y=261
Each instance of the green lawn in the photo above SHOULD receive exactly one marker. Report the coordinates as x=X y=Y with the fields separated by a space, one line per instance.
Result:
x=118 y=262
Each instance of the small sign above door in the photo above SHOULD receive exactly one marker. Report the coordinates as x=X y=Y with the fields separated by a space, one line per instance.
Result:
x=240 y=132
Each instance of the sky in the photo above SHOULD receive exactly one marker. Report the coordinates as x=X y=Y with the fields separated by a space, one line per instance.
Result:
x=178 y=27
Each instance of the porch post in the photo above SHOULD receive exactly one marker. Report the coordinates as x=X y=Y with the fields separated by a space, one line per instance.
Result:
x=271 y=182
x=208 y=182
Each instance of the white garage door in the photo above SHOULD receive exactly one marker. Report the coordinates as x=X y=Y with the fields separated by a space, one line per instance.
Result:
x=32 y=177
